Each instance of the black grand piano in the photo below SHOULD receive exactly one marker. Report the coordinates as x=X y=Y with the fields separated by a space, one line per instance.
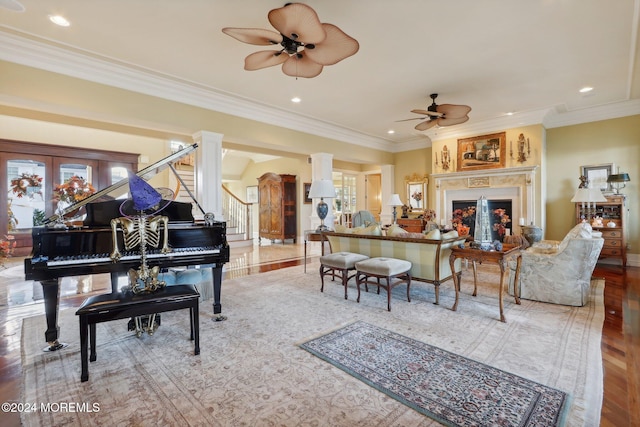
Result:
x=83 y=250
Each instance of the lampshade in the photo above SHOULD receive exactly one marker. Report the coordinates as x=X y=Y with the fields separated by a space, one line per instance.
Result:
x=395 y=200
x=588 y=195
x=322 y=188
x=620 y=177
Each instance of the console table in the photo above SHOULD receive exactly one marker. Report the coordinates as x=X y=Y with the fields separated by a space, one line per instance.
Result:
x=312 y=236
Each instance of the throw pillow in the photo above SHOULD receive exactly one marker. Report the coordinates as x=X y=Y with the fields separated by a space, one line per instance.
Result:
x=544 y=248
x=450 y=235
x=372 y=230
x=339 y=228
x=396 y=231
x=433 y=234
x=414 y=235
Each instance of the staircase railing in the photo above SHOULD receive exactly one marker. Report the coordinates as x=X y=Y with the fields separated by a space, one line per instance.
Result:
x=237 y=213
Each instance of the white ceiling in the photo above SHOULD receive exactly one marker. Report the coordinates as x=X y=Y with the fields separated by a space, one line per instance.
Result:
x=497 y=56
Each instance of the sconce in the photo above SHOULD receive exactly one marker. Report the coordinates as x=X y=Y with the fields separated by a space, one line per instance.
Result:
x=522 y=156
x=445 y=158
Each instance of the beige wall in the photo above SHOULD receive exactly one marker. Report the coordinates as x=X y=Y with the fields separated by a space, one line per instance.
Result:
x=568 y=148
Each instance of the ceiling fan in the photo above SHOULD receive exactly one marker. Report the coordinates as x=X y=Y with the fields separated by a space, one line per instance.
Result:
x=441 y=115
x=307 y=45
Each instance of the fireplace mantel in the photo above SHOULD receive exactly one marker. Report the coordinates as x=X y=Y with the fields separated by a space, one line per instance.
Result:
x=517 y=184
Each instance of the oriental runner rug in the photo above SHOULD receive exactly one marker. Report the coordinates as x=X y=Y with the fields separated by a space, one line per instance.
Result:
x=452 y=389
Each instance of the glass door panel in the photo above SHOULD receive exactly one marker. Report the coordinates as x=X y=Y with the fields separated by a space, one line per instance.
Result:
x=26 y=205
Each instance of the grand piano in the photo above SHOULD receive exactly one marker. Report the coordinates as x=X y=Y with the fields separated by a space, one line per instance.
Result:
x=83 y=250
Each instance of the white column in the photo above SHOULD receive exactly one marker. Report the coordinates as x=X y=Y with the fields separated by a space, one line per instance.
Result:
x=321 y=168
x=209 y=172
x=387 y=188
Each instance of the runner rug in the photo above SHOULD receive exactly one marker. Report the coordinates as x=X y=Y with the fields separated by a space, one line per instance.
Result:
x=452 y=389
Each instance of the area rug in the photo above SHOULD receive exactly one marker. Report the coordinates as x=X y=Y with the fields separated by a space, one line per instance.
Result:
x=252 y=372
x=447 y=387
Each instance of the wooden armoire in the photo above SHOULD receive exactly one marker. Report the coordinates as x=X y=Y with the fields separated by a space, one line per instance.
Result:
x=277 y=209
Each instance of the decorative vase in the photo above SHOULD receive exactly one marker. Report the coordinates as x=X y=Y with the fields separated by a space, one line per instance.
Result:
x=532 y=233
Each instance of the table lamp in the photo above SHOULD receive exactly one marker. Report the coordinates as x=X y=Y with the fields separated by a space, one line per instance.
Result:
x=395 y=202
x=588 y=196
x=322 y=188
x=616 y=179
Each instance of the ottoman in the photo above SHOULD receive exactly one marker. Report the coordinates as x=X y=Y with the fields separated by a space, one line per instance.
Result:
x=339 y=263
x=384 y=268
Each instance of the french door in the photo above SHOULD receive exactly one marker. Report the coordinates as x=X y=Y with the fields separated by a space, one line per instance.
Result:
x=30 y=180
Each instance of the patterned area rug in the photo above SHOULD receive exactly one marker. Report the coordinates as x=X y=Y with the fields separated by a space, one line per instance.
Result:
x=251 y=370
x=449 y=388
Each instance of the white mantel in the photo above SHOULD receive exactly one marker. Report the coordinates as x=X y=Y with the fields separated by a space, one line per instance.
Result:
x=517 y=184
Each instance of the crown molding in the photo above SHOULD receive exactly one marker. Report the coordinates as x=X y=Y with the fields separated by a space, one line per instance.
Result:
x=43 y=54
x=592 y=114
x=47 y=56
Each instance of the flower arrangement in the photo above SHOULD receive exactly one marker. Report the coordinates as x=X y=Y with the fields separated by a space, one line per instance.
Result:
x=417 y=196
x=73 y=190
x=19 y=185
x=501 y=220
x=7 y=245
x=466 y=216
x=429 y=214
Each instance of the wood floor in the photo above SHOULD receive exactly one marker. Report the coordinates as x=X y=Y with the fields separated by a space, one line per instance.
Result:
x=620 y=335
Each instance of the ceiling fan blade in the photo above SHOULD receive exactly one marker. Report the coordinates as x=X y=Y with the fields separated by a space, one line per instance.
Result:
x=264 y=59
x=301 y=66
x=298 y=22
x=255 y=36
x=445 y=121
x=452 y=111
x=426 y=125
x=415 y=118
x=427 y=113
x=334 y=48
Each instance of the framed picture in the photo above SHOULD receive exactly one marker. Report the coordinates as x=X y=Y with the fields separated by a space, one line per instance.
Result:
x=252 y=194
x=482 y=152
x=416 y=191
x=307 y=187
x=597 y=175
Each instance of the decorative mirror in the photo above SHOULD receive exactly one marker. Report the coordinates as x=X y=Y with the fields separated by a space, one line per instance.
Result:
x=417 y=191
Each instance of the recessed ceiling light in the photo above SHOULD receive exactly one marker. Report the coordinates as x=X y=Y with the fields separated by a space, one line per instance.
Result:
x=586 y=89
x=391 y=131
x=59 y=20
x=296 y=99
x=12 y=5
x=510 y=113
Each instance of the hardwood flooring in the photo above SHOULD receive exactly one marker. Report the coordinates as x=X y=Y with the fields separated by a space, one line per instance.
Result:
x=620 y=334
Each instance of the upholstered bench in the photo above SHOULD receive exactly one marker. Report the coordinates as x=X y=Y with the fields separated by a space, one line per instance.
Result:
x=340 y=263
x=123 y=305
x=383 y=268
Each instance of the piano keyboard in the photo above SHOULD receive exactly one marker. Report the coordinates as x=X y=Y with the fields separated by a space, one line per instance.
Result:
x=104 y=258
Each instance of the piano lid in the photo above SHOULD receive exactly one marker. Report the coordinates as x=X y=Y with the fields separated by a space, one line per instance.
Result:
x=146 y=174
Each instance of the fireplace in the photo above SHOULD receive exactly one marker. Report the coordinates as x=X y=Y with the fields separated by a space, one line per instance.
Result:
x=500 y=212
x=511 y=186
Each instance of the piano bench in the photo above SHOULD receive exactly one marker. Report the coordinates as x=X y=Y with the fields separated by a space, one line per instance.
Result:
x=123 y=305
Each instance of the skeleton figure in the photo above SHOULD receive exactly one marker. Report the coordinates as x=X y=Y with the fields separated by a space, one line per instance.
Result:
x=139 y=232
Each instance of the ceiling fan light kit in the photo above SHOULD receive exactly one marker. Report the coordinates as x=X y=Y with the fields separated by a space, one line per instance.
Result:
x=307 y=45
x=441 y=115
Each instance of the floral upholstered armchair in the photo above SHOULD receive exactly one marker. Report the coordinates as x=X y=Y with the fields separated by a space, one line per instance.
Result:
x=559 y=272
